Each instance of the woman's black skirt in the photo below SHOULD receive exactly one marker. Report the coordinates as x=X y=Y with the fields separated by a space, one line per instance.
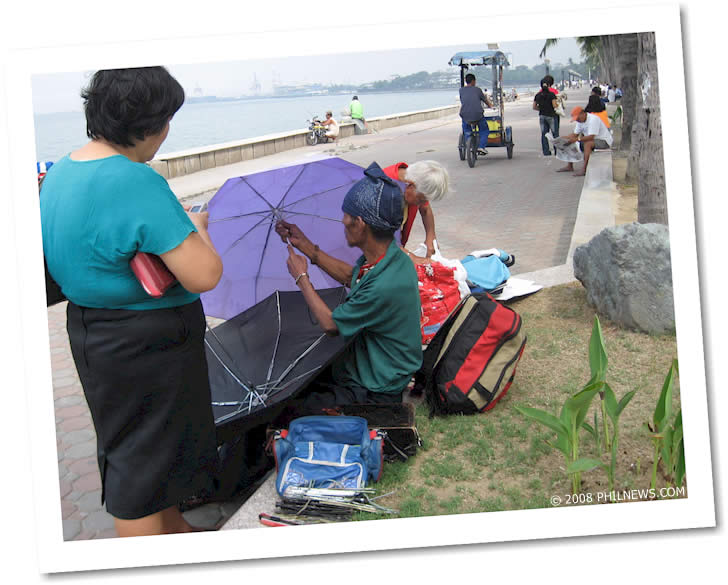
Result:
x=144 y=374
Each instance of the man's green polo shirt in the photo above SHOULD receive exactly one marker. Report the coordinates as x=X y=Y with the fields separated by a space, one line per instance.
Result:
x=356 y=110
x=383 y=311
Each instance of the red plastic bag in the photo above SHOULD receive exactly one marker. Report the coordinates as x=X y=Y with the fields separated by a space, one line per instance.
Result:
x=439 y=295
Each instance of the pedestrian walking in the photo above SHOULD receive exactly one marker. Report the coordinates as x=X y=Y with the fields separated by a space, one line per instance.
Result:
x=545 y=103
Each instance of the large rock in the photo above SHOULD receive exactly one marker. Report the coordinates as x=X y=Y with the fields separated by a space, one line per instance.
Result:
x=627 y=274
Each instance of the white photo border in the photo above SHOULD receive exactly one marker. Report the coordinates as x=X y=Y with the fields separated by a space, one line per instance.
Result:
x=55 y=555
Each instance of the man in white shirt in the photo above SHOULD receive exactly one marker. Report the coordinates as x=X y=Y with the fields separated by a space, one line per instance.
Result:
x=590 y=132
x=332 y=130
x=612 y=94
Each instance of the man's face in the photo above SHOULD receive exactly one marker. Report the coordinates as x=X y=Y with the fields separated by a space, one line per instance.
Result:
x=353 y=230
x=581 y=117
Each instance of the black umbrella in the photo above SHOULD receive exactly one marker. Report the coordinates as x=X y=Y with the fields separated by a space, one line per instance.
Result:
x=266 y=355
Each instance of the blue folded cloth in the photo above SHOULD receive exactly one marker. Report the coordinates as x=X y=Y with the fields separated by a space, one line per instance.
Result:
x=488 y=272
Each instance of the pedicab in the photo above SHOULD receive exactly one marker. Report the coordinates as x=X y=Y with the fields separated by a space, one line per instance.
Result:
x=498 y=133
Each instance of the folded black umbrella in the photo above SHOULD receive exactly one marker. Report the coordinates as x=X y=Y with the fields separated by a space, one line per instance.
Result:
x=262 y=358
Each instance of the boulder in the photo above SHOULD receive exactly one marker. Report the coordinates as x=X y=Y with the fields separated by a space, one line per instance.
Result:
x=627 y=274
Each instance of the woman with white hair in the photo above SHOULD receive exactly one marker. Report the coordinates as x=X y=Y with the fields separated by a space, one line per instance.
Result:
x=426 y=181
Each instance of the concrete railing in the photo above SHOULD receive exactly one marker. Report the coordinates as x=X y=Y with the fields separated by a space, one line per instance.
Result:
x=185 y=162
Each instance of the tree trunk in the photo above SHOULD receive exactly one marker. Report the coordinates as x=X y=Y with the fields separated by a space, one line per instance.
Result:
x=619 y=57
x=647 y=150
x=627 y=81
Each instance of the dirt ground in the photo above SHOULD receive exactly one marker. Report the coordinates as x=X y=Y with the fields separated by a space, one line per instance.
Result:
x=625 y=202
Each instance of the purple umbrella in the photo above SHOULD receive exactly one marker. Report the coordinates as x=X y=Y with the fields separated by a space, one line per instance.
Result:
x=243 y=214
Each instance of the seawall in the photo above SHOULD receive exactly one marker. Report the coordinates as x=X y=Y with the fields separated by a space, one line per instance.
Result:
x=185 y=162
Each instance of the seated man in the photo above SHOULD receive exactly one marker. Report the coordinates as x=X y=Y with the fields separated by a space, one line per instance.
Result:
x=381 y=314
x=426 y=181
x=472 y=99
x=356 y=109
x=591 y=133
x=332 y=128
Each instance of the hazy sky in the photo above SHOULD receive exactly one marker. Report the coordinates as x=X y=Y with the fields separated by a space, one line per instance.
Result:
x=60 y=92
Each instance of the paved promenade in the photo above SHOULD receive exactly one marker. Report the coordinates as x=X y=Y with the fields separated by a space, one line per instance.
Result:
x=520 y=205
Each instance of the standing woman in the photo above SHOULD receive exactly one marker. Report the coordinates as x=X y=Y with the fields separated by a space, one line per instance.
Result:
x=141 y=360
x=545 y=102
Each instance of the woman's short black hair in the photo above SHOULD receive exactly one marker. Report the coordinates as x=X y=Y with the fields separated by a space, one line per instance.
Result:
x=595 y=104
x=127 y=105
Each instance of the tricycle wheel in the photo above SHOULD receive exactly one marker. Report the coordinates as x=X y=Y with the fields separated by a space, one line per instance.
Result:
x=311 y=138
x=509 y=150
x=472 y=150
x=461 y=146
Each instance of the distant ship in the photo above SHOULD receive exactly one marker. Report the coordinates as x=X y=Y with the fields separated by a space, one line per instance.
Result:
x=255 y=86
x=198 y=96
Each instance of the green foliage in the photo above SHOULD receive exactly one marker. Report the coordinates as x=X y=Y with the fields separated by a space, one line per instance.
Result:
x=616 y=115
x=667 y=434
x=567 y=425
x=572 y=418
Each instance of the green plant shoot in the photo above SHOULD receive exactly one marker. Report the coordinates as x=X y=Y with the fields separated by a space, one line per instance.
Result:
x=667 y=435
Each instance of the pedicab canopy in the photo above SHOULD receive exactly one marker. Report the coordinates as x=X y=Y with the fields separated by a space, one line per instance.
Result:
x=486 y=57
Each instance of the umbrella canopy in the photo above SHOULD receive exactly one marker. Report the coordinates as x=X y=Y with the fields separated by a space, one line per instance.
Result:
x=243 y=214
x=265 y=356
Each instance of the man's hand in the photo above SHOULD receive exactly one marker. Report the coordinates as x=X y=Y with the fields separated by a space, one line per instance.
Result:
x=297 y=265
x=290 y=232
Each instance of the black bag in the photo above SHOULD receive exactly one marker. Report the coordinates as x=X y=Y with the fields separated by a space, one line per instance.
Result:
x=470 y=363
x=53 y=291
x=397 y=421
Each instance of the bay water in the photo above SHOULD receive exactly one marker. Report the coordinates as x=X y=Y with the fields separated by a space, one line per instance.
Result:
x=201 y=124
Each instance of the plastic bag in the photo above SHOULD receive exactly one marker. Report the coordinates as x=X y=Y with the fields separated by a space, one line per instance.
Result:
x=460 y=274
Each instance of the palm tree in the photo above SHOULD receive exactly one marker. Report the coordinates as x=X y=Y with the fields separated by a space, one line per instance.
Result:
x=625 y=59
x=647 y=149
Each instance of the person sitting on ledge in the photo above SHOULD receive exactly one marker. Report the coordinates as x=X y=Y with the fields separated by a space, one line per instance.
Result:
x=381 y=314
x=590 y=132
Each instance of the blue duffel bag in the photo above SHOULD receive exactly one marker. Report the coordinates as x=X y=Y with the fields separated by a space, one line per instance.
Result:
x=327 y=451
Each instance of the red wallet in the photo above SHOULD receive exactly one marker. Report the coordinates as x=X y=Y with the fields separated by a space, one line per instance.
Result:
x=152 y=274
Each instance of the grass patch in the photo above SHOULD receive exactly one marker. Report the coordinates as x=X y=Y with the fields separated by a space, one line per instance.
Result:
x=499 y=460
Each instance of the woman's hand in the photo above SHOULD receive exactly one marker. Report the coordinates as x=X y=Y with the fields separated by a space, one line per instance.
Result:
x=200 y=220
x=297 y=265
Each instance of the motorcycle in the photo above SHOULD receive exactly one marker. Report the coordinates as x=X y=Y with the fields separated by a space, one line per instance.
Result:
x=316 y=132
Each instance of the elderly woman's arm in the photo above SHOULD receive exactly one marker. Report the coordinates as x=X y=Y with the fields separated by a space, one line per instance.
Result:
x=428 y=222
x=195 y=262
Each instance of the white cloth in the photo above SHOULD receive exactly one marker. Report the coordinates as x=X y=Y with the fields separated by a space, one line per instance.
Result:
x=612 y=95
x=594 y=126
